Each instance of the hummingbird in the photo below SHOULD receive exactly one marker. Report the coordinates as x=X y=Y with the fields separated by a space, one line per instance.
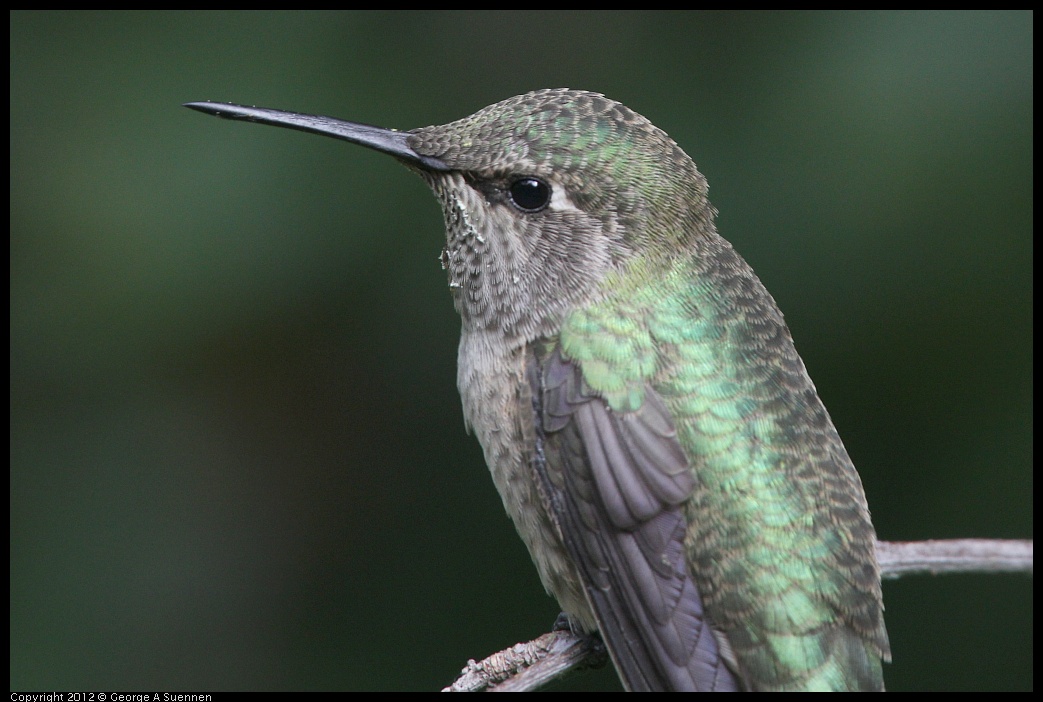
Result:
x=653 y=433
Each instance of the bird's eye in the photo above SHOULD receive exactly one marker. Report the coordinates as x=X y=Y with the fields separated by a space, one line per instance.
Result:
x=529 y=194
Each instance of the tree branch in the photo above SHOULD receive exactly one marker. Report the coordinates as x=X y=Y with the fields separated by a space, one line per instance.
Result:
x=898 y=558
x=530 y=665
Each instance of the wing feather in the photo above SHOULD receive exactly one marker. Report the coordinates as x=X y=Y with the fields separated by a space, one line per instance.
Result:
x=617 y=481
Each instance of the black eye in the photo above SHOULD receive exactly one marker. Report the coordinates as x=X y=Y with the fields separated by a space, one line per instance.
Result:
x=529 y=194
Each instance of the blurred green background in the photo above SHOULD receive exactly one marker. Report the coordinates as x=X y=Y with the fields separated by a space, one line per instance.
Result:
x=237 y=453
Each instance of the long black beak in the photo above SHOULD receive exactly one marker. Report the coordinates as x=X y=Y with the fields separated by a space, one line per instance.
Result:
x=388 y=141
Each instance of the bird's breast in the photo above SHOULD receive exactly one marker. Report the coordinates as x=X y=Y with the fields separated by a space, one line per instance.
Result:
x=497 y=404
